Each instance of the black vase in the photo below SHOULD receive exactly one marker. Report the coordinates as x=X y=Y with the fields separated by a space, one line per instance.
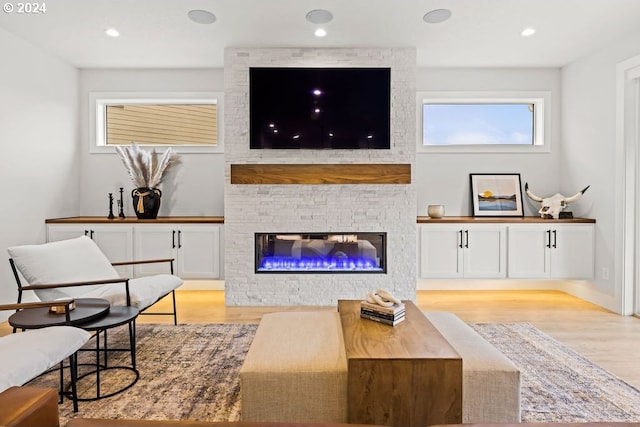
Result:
x=146 y=202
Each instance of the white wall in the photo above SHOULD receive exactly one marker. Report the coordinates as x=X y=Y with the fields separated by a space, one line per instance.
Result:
x=589 y=153
x=39 y=139
x=443 y=178
x=196 y=187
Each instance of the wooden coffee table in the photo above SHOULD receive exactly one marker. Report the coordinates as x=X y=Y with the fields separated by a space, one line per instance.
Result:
x=403 y=375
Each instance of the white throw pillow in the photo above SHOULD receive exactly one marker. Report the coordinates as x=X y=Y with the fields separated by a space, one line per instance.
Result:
x=65 y=261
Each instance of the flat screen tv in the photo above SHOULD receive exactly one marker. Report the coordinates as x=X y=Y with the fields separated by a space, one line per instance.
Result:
x=319 y=108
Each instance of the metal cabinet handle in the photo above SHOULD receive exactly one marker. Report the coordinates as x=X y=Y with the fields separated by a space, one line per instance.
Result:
x=466 y=240
x=548 y=239
x=555 y=239
x=179 y=239
x=173 y=239
x=461 y=243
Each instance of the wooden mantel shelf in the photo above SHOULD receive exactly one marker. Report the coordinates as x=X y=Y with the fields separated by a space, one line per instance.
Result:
x=381 y=173
x=517 y=220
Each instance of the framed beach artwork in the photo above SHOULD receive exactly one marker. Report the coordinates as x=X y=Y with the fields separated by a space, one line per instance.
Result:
x=496 y=194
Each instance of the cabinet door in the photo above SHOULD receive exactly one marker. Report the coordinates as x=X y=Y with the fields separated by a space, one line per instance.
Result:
x=528 y=251
x=57 y=232
x=115 y=241
x=572 y=251
x=154 y=242
x=484 y=251
x=440 y=251
x=199 y=251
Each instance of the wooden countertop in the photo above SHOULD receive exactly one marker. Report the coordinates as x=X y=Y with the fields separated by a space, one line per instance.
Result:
x=220 y=220
x=510 y=220
x=135 y=220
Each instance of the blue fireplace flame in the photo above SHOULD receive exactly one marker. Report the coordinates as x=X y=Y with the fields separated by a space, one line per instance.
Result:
x=284 y=263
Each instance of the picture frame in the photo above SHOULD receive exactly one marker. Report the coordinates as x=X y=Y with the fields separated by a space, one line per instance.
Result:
x=496 y=195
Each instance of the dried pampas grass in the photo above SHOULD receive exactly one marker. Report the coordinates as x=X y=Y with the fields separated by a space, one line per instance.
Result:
x=144 y=167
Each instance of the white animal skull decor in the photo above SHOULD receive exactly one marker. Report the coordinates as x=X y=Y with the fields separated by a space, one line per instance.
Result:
x=550 y=207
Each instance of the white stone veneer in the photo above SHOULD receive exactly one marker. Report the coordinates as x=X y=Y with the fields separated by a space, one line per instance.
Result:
x=389 y=208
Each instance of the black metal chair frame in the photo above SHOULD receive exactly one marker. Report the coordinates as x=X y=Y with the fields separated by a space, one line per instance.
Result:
x=173 y=313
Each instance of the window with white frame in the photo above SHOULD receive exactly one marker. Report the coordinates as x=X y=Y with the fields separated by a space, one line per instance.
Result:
x=187 y=122
x=483 y=121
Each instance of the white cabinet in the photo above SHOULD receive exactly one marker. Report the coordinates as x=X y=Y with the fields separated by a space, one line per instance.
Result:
x=462 y=250
x=556 y=251
x=530 y=249
x=115 y=241
x=195 y=247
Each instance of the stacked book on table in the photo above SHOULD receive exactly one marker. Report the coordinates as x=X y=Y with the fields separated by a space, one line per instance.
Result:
x=388 y=315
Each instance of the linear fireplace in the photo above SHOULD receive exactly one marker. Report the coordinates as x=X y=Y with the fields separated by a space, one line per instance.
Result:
x=320 y=252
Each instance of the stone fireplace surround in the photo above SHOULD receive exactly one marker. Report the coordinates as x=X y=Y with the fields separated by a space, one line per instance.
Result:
x=259 y=208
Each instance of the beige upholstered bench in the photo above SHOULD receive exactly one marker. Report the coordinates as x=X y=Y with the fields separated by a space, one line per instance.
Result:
x=296 y=369
x=490 y=381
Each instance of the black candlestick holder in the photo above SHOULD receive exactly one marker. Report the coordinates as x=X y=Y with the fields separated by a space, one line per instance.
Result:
x=111 y=206
x=121 y=205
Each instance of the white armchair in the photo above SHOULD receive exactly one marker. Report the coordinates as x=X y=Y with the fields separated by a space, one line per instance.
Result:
x=77 y=268
x=26 y=355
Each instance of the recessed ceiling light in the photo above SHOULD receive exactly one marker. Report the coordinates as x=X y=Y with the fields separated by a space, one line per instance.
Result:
x=112 y=32
x=319 y=16
x=436 y=16
x=528 y=32
x=320 y=32
x=201 y=16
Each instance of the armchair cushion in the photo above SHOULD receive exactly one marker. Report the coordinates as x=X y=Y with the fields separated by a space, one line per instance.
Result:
x=25 y=355
x=144 y=291
x=65 y=261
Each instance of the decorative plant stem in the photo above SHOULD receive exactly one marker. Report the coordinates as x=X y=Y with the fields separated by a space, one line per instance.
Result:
x=147 y=168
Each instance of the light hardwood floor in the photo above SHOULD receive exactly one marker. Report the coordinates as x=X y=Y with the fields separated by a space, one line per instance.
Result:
x=610 y=340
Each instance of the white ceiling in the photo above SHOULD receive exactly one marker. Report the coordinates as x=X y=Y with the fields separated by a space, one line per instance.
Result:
x=485 y=33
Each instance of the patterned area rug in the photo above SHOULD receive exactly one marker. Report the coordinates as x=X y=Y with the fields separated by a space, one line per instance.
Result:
x=558 y=384
x=186 y=372
x=191 y=372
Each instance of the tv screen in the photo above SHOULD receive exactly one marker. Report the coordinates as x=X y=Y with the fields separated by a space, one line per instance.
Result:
x=319 y=108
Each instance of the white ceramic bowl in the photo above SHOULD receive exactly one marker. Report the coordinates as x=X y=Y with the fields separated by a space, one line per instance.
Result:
x=435 y=211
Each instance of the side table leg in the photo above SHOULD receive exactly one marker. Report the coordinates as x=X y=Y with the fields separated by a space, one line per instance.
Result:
x=132 y=342
x=98 y=364
x=105 y=347
x=61 y=393
x=73 y=369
